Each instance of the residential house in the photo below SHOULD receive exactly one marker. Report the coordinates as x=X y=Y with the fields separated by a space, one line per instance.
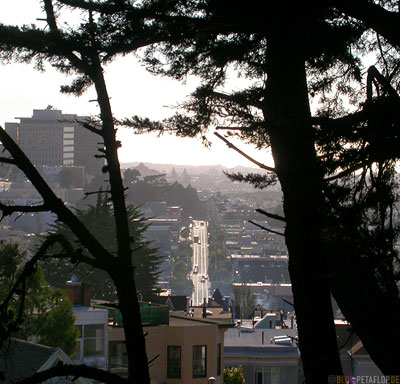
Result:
x=183 y=349
x=21 y=359
x=178 y=303
x=92 y=323
x=267 y=356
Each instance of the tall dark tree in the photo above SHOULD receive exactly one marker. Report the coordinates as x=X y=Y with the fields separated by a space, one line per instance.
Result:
x=290 y=53
x=82 y=51
x=99 y=220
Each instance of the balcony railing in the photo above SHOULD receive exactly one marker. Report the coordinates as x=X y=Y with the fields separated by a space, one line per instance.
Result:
x=150 y=313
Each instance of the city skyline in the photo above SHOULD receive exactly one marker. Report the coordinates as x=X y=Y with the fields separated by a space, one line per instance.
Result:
x=133 y=91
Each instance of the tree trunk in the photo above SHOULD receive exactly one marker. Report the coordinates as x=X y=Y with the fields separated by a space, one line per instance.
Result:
x=373 y=309
x=122 y=272
x=138 y=371
x=287 y=114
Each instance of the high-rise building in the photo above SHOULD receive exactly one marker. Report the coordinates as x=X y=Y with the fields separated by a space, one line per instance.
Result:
x=52 y=138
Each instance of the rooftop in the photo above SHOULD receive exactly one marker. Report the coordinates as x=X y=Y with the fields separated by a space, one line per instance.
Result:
x=20 y=359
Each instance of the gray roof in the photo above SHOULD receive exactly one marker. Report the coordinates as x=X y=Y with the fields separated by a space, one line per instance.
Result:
x=250 y=342
x=20 y=359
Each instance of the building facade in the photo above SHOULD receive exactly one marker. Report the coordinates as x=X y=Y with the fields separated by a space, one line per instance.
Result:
x=51 y=138
x=267 y=356
x=182 y=350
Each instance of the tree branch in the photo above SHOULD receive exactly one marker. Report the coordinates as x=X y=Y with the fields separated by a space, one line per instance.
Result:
x=373 y=73
x=55 y=204
x=235 y=99
x=11 y=324
x=230 y=128
x=348 y=171
x=386 y=23
x=7 y=160
x=266 y=229
x=271 y=215
x=10 y=209
x=92 y=129
x=51 y=18
x=29 y=267
x=230 y=145
x=75 y=371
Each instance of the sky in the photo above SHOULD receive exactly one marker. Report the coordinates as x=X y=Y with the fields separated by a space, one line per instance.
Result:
x=133 y=91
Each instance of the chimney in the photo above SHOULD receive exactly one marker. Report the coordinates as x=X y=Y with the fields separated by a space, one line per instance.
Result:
x=86 y=294
x=225 y=303
x=74 y=290
x=79 y=293
x=205 y=309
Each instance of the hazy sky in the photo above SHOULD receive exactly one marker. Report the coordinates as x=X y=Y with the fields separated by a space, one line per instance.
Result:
x=133 y=91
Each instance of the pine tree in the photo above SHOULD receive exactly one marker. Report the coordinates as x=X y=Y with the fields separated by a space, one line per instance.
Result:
x=290 y=54
x=44 y=310
x=99 y=221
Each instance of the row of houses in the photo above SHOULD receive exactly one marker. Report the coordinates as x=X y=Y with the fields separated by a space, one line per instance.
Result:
x=186 y=344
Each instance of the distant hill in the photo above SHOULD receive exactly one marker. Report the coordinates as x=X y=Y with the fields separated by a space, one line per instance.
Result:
x=143 y=169
x=190 y=169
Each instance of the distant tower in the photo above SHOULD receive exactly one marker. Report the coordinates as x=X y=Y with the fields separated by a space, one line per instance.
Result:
x=52 y=138
x=185 y=178
x=174 y=176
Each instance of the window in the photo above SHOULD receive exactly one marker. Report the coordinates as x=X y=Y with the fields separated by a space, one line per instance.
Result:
x=174 y=362
x=270 y=375
x=93 y=347
x=218 y=359
x=199 y=361
x=92 y=336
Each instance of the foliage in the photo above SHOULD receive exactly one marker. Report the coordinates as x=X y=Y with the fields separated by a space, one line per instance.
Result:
x=148 y=189
x=245 y=299
x=69 y=178
x=106 y=29
x=99 y=220
x=47 y=314
x=174 y=194
x=331 y=165
x=234 y=375
x=219 y=266
x=255 y=179
x=131 y=176
x=274 y=50
x=58 y=324
x=181 y=284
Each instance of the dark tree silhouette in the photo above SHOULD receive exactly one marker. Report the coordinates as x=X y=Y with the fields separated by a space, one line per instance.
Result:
x=99 y=220
x=291 y=52
x=97 y=40
x=330 y=165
